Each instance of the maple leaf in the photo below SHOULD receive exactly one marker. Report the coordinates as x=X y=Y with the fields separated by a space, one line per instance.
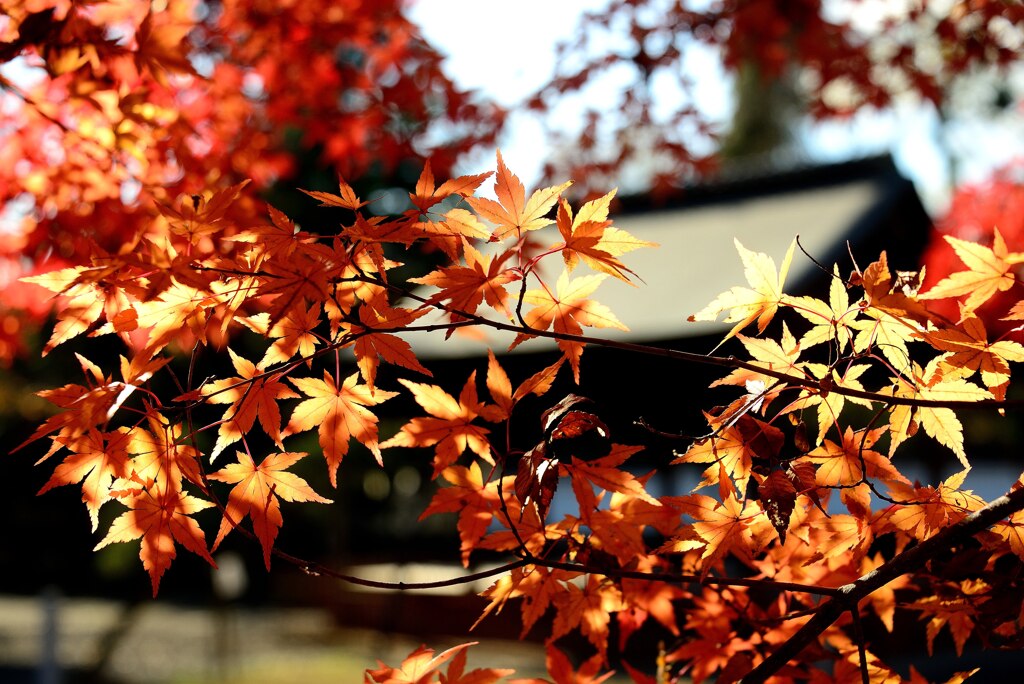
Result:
x=724 y=526
x=779 y=356
x=939 y=423
x=778 y=496
x=970 y=352
x=178 y=308
x=566 y=311
x=831 y=321
x=888 y=333
x=252 y=395
x=958 y=612
x=758 y=302
x=158 y=455
x=456 y=673
x=86 y=294
x=418 y=668
x=96 y=459
x=883 y=599
x=733 y=448
x=831 y=404
x=474 y=500
x=202 y=216
x=296 y=283
x=512 y=213
x=885 y=293
x=499 y=385
x=588 y=608
x=280 y=239
x=590 y=237
x=85 y=408
x=257 y=494
x=292 y=334
x=540 y=382
x=929 y=509
x=339 y=414
x=426 y=196
x=160 y=515
x=848 y=464
x=482 y=279
x=347 y=199
x=373 y=346
x=605 y=473
x=562 y=670
x=990 y=270
x=450 y=427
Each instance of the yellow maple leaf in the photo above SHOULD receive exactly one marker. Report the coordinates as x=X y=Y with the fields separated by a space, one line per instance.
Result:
x=939 y=423
x=968 y=350
x=990 y=270
x=758 y=302
x=591 y=237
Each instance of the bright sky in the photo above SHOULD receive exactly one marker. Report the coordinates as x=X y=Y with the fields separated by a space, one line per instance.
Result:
x=508 y=52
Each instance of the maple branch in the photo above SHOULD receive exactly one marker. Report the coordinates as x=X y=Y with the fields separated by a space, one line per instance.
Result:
x=677 y=578
x=723 y=361
x=688 y=357
x=316 y=569
x=849 y=595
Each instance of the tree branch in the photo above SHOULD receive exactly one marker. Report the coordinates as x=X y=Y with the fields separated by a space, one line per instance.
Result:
x=911 y=559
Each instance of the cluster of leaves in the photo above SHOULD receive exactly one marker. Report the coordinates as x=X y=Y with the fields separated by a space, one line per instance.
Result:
x=843 y=56
x=111 y=108
x=809 y=526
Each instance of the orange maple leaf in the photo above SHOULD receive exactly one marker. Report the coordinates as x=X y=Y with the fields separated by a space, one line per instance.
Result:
x=297 y=282
x=339 y=414
x=482 y=279
x=727 y=525
x=96 y=459
x=990 y=270
x=86 y=295
x=474 y=500
x=605 y=473
x=257 y=494
x=929 y=509
x=372 y=346
x=456 y=673
x=940 y=423
x=251 y=395
x=589 y=608
x=158 y=455
x=591 y=237
x=292 y=334
x=567 y=310
x=450 y=427
x=426 y=196
x=202 y=216
x=418 y=668
x=347 y=199
x=831 y=320
x=885 y=293
x=160 y=515
x=512 y=213
x=848 y=464
x=562 y=670
x=180 y=308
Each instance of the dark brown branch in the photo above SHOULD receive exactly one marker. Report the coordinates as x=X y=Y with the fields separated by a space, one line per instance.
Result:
x=911 y=559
